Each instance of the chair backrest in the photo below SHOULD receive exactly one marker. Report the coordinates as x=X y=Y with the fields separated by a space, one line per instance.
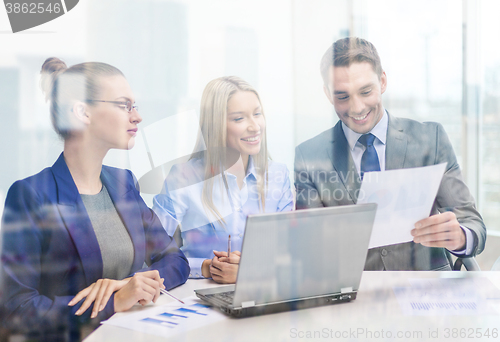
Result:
x=469 y=263
x=496 y=265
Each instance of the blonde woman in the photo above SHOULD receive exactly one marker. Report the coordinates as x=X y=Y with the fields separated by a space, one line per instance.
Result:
x=210 y=196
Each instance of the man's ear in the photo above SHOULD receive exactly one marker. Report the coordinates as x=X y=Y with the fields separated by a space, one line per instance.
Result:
x=80 y=112
x=383 y=82
x=328 y=93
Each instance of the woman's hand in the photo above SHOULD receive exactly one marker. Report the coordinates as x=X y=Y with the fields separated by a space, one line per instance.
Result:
x=144 y=287
x=234 y=257
x=100 y=292
x=97 y=293
x=224 y=269
x=205 y=268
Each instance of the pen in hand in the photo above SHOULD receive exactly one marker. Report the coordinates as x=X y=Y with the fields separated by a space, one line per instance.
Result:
x=228 y=247
x=171 y=295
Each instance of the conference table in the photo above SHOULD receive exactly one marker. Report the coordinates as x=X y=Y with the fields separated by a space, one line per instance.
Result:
x=376 y=315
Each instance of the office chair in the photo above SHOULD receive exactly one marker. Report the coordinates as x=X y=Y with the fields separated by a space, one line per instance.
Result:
x=469 y=263
x=496 y=265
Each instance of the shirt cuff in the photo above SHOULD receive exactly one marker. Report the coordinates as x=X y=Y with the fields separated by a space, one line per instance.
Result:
x=195 y=265
x=469 y=243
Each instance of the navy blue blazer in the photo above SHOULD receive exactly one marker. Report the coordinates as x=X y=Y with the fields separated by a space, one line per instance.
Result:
x=50 y=251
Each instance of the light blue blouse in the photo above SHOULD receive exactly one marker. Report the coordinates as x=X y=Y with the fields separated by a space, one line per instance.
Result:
x=180 y=202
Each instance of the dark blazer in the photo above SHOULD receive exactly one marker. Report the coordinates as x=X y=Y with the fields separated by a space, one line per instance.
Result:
x=325 y=175
x=50 y=251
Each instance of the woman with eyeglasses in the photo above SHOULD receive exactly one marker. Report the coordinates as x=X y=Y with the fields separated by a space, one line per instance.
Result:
x=77 y=234
x=210 y=196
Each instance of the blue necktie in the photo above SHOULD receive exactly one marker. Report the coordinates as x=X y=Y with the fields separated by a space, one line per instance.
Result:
x=369 y=160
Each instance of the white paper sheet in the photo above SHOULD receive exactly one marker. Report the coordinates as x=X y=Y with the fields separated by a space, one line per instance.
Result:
x=404 y=197
x=448 y=296
x=170 y=319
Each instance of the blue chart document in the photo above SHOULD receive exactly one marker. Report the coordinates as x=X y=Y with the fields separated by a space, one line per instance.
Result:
x=449 y=296
x=170 y=319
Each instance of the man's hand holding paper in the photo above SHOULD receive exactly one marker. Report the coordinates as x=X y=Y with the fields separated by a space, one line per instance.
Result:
x=442 y=230
x=405 y=198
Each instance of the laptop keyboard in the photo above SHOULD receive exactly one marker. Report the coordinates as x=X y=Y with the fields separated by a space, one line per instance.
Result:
x=226 y=297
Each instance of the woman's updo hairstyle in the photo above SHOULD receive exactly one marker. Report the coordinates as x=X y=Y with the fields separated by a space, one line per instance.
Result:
x=64 y=86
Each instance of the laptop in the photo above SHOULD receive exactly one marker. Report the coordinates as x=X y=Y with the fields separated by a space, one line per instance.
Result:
x=298 y=259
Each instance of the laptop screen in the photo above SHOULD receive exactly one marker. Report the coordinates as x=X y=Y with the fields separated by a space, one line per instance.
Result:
x=303 y=253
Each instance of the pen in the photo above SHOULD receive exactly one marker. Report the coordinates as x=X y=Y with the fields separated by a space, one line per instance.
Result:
x=228 y=246
x=171 y=295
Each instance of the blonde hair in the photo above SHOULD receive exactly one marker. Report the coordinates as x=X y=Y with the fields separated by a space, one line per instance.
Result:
x=213 y=124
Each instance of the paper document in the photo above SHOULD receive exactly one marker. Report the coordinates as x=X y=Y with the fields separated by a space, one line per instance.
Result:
x=404 y=197
x=171 y=319
x=448 y=296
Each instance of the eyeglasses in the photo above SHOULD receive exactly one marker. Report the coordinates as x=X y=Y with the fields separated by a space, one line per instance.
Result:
x=127 y=105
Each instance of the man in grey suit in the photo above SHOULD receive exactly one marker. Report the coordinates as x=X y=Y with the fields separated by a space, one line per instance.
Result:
x=330 y=166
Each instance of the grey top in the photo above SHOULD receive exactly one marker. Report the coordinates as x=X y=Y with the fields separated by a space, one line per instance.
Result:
x=114 y=240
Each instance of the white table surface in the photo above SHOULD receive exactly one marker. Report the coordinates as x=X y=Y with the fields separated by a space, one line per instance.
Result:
x=376 y=311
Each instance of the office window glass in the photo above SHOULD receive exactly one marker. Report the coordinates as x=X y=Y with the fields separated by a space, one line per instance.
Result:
x=490 y=118
x=421 y=52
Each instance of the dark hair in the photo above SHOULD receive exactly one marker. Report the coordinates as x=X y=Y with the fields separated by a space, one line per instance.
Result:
x=63 y=86
x=350 y=50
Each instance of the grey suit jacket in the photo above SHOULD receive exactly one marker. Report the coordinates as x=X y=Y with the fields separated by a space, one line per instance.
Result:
x=325 y=175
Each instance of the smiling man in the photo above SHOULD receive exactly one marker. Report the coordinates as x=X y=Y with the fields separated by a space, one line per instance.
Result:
x=329 y=168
